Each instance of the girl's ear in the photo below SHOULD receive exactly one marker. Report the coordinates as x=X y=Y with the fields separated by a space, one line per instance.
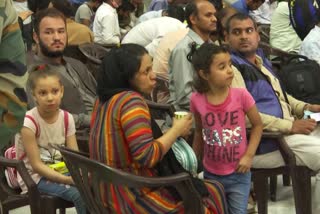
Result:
x=62 y=90
x=203 y=75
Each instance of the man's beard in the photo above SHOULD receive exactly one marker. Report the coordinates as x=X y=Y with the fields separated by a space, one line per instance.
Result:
x=51 y=54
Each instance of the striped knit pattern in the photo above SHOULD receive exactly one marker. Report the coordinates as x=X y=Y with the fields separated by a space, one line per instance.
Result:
x=121 y=137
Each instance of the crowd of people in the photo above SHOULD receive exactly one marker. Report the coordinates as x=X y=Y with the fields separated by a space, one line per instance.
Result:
x=207 y=51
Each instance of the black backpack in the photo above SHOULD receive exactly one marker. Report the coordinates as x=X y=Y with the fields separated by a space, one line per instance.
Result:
x=300 y=78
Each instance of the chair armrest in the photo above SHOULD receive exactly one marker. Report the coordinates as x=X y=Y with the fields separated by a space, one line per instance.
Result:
x=31 y=185
x=267 y=134
x=286 y=152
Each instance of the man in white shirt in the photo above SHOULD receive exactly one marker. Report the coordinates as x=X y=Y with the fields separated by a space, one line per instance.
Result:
x=263 y=14
x=149 y=33
x=106 y=28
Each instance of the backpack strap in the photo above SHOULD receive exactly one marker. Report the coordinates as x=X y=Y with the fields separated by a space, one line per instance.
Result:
x=66 y=123
x=35 y=124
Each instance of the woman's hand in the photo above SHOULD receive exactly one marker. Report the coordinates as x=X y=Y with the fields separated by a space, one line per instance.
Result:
x=183 y=125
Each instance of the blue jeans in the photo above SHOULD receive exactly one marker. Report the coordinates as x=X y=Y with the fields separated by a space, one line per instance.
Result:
x=237 y=189
x=66 y=192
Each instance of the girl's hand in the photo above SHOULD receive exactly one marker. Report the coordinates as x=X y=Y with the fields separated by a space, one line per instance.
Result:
x=244 y=164
x=183 y=125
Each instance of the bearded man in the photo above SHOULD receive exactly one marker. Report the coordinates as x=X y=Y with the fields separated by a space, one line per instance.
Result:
x=50 y=35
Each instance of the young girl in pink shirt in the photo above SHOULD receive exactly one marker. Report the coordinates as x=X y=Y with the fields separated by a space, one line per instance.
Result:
x=220 y=112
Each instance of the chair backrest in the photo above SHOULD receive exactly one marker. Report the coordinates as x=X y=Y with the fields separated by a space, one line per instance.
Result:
x=93 y=52
x=73 y=51
x=89 y=175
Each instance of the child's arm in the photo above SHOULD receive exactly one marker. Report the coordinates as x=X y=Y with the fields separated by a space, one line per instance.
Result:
x=72 y=143
x=33 y=154
x=255 y=136
x=197 y=144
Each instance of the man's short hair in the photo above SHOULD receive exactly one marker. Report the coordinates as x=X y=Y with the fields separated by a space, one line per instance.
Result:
x=191 y=10
x=49 y=12
x=240 y=17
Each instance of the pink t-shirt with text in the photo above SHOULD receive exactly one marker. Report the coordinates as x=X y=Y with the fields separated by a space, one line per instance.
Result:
x=223 y=129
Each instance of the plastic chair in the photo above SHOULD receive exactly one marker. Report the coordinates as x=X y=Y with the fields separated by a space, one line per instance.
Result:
x=89 y=174
x=94 y=54
x=300 y=175
x=73 y=51
x=12 y=199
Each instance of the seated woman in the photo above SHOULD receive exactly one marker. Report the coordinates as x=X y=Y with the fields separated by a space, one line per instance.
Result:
x=122 y=137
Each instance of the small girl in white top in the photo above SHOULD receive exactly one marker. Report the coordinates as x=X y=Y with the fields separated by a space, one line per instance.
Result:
x=44 y=124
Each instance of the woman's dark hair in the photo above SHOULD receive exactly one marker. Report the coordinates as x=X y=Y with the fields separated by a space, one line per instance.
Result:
x=117 y=69
x=41 y=71
x=201 y=60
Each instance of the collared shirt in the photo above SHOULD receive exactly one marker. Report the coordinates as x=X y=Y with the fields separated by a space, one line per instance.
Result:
x=181 y=72
x=239 y=5
x=263 y=14
x=165 y=47
x=106 y=28
x=281 y=30
x=149 y=15
x=156 y=5
x=149 y=33
x=310 y=46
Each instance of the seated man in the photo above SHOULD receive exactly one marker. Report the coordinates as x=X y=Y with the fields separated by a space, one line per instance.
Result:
x=86 y=11
x=244 y=6
x=79 y=85
x=106 y=27
x=202 y=22
x=77 y=33
x=173 y=11
x=279 y=111
x=263 y=14
x=149 y=33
